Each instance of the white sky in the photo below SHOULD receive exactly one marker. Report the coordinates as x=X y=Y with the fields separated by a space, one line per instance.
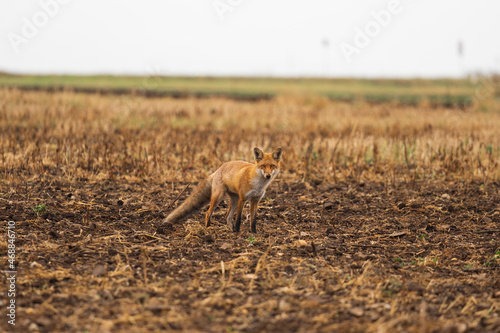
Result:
x=257 y=37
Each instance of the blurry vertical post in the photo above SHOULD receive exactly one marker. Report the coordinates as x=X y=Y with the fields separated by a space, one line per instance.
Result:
x=31 y=26
x=222 y=7
x=363 y=37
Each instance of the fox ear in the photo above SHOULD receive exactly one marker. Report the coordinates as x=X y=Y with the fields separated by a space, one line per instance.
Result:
x=259 y=154
x=277 y=154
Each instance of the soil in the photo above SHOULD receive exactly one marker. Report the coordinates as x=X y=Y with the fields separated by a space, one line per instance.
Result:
x=345 y=257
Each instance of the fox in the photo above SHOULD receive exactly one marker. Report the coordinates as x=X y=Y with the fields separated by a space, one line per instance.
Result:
x=240 y=181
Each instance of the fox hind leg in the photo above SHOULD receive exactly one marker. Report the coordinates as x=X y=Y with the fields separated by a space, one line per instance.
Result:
x=233 y=203
x=239 y=210
x=253 y=214
x=214 y=201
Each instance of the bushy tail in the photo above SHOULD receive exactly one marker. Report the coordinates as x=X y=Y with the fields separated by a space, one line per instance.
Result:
x=197 y=200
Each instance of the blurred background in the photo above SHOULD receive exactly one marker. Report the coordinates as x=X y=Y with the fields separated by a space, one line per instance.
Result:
x=321 y=38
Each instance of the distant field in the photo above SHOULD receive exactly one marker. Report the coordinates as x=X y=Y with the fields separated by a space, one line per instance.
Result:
x=447 y=92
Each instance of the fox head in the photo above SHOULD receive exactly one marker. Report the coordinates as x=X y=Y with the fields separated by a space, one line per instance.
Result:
x=268 y=165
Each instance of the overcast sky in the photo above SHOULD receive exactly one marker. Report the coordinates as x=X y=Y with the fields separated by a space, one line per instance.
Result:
x=363 y=38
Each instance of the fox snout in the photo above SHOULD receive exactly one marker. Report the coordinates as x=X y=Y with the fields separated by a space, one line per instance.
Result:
x=268 y=176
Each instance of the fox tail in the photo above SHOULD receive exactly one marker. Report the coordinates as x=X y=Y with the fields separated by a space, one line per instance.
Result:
x=197 y=200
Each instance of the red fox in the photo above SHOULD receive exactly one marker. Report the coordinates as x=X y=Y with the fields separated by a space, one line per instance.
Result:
x=241 y=181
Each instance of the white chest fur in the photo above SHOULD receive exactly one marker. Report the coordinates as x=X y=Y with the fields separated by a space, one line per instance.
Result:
x=259 y=186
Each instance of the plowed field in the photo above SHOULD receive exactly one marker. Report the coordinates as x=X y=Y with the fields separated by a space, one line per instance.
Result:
x=384 y=218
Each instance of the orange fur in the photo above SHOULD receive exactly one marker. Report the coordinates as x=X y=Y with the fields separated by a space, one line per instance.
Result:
x=240 y=181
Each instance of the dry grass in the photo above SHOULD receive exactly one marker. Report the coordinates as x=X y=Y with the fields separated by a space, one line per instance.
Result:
x=340 y=245
x=101 y=137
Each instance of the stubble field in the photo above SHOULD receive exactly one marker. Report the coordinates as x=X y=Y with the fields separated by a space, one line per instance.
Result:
x=385 y=217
